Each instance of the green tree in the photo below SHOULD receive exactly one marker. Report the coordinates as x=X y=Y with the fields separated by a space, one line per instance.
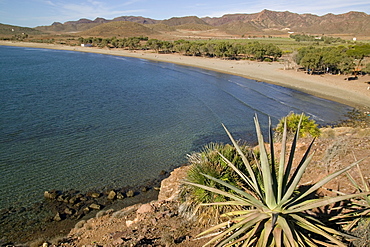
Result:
x=154 y=44
x=331 y=58
x=359 y=52
x=311 y=61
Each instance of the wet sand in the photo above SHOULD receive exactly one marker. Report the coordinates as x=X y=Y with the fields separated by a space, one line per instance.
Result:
x=354 y=93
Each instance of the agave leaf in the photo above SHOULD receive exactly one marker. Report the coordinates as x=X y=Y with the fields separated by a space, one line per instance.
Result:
x=366 y=188
x=229 y=240
x=302 y=163
x=246 y=162
x=270 y=197
x=309 y=226
x=267 y=231
x=214 y=190
x=278 y=236
x=353 y=181
x=335 y=232
x=364 y=183
x=295 y=180
x=273 y=165
x=282 y=162
x=326 y=180
x=242 y=175
x=291 y=156
x=250 y=238
x=214 y=228
x=240 y=212
x=305 y=240
x=247 y=196
x=247 y=223
x=227 y=203
x=287 y=232
x=316 y=203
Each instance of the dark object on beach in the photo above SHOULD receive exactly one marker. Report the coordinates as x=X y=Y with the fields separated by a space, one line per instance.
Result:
x=352 y=78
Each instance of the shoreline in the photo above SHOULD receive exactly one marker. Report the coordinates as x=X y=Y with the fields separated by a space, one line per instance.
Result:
x=330 y=87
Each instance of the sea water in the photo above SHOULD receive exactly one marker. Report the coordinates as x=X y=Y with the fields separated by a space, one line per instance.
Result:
x=71 y=120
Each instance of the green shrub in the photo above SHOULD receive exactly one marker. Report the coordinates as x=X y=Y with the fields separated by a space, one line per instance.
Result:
x=208 y=161
x=308 y=126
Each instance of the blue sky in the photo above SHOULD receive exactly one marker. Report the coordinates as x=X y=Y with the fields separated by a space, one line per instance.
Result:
x=31 y=13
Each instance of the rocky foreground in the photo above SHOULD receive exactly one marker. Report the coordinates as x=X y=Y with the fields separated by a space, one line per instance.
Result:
x=159 y=222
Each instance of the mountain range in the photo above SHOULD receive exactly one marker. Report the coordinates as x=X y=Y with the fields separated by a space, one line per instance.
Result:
x=265 y=22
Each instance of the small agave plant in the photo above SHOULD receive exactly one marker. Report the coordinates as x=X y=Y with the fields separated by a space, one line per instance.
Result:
x=271 y=211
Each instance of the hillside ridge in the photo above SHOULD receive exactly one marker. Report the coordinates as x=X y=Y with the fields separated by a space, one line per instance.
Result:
x=266 y=22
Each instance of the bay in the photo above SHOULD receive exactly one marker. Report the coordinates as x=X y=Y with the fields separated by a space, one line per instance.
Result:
x=71 y=120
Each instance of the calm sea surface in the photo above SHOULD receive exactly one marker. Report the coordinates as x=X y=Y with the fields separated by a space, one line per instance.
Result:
x=71 y=120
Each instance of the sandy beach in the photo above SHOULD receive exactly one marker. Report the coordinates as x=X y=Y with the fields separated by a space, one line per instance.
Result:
x=332 y=87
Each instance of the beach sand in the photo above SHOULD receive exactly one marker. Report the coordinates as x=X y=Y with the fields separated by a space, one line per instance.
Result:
x=354 y=93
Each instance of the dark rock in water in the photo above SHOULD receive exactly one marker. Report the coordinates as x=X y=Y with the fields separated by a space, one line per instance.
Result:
x=68 y=211
x=112 y=195
x=95 y=195
x=57 y=217
x=120 y=196
x=73 y=200
x=51 y=195
x=61 y=198
x=130 y=193
x=78 y=205
x=95 y=206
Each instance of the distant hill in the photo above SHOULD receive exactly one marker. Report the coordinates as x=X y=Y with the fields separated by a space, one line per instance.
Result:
x=266 y=20
x=177 y=21
x=85 y=24
x=70 y=27
x=119 y=28
x=9 y=30
x=262 y=23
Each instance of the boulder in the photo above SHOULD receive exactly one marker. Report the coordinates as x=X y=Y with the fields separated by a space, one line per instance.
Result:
x=112 y=195
x=95 y=206
x=145 y=208
x=170 y=187
x=57 y=217
x=95 y=195
x=52 y=195
x=130 y=193
x=120 y=196
x=68 y=211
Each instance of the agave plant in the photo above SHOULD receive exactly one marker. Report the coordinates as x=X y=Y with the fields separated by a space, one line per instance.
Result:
x=356 y=209
x=272 y=212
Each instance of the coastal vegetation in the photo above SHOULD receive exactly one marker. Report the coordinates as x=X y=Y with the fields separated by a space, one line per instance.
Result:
x=315 y=58
x=268 y=207
x=294 y=121
x=335 y=60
